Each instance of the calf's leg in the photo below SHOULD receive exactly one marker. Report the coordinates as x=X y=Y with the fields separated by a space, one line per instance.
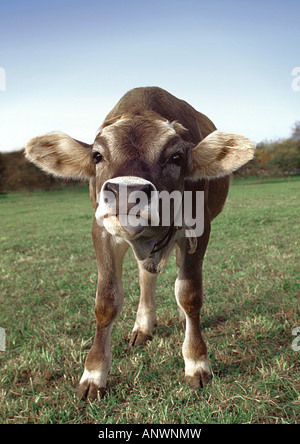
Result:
x=188 y=292
x=108 y=304
x=146 y=313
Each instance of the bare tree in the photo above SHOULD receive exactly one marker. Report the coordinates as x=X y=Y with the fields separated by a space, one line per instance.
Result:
x=296 y=131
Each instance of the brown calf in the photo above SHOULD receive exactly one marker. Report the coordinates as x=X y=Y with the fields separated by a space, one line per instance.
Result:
x=150 y=143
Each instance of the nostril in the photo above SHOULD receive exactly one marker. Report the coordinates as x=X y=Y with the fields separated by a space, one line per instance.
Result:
x=125 y=190
x=147 y=190
x=113 y=187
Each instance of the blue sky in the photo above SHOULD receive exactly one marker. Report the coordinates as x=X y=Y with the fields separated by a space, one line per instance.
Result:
x=68 y=62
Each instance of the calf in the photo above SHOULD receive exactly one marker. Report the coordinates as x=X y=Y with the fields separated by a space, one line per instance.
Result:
x=150 y=145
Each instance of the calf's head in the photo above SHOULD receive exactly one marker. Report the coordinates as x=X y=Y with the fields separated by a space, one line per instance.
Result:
x=133 y=159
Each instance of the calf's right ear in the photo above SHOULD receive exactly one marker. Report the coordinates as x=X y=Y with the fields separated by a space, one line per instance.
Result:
x=62 y=156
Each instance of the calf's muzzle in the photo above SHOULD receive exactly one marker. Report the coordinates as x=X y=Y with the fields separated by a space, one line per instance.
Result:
x=127 y=205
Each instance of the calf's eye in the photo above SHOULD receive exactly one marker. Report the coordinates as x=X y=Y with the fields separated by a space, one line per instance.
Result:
x=176 y=159
x=97 y=157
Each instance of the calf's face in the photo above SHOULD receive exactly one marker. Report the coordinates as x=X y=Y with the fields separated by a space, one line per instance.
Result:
x=132 y=160
x=135 y=160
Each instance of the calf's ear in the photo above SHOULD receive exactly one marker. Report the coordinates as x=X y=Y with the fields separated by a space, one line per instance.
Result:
x=60 y=155
x=218 y=155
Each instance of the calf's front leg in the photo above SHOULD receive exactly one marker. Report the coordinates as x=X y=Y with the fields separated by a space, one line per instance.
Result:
x=188 y=292
x=108 y=304
x=146 y=313
x=98 y=361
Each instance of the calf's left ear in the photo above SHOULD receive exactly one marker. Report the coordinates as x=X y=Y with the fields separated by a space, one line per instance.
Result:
x=60 y=155
x=218 y=155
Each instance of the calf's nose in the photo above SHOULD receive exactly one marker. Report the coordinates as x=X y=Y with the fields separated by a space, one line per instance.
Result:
x=115 y=187
x=127 y=202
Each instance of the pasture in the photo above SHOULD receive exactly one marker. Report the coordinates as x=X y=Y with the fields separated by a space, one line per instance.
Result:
x=251 y=305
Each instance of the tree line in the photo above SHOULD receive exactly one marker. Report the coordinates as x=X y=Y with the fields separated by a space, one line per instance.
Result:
x=275 y=158
x=18 y=174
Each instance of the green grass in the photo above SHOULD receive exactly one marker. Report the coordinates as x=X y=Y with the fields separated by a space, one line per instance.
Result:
x=251 y=305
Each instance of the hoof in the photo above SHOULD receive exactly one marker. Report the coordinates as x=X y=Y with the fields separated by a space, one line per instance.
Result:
x=139 y=338
x=90 y=391
x=199 y=380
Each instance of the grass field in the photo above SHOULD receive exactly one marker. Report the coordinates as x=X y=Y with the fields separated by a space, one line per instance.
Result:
x=251 y=305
